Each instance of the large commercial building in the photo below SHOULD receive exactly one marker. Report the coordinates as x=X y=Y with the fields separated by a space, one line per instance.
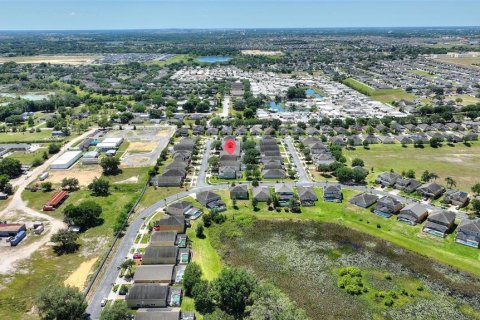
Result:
x=66 y=160
x=109 y=144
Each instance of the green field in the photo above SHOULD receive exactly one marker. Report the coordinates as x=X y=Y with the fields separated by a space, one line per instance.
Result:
x=421 y=73
x=382 y=95
x=9 y=137
x=27 y=158
x=179 y=58
x=459 y=162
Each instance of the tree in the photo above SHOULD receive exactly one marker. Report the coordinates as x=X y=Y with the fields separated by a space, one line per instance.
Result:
x=116 y=311
x=127 y=265
x=255 y=183
x=191 y=276
x=218 y=315
x=57 y=302
x=104 y=122
x=436 y=142
x=476 y=206
x=3 y=181
x=199 y=231
x=65 y=242
x=476 y=188
x=344 y=174
x=10 y=167
x=365 y=144
x=271 y=303
x=233 y=286
x=99 y=187
x=110 y=165
x=86 y=215
x=428 y=176
x=450 y=182
x=70 y=183
x=203 y=295
x=46 y=186
x=53 y=148
x=254 y=203
x=410 y=174
x=357 y=162
x=418 y=144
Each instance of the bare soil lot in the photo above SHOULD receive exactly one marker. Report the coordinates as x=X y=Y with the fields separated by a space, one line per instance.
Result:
x=84 y=174
x=70 y=60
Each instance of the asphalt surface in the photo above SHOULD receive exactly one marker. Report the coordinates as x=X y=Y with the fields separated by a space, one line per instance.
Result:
x=302 y=174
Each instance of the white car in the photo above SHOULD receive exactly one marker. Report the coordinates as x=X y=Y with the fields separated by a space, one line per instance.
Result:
x=103 y=302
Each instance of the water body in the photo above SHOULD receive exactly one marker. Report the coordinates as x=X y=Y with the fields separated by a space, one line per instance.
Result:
x=312 y=93
x=213 y=59
x=28 y=96
x=279 y=107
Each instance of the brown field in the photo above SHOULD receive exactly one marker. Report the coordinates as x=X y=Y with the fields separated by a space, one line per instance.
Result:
x=142 y=146
x=70 y=60
x=84 y=174
x=79 y=277
x=467 y=61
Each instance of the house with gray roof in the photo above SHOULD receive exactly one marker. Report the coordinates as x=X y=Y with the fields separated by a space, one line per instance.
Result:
x=439 y=223
x=239 y=192
x=413 y=214
x=167 y=181
x=457 y=198
x=211 y=200
x=159 y=314
x=364 y=200
x=431 y=190
x=307 y=196
x=163 y=238
x=468 y=233
x=147 y=296
x=261 y=194
x=273 y=174
x=332 y=193
x=407 y=185
x=284 y=193
x=386 y=206
x=387 y=179
x=162 y=274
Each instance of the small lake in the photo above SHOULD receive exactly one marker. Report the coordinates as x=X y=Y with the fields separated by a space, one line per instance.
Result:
x=33 y=96
x=277 y=106
x=213 y=59
x=312 y=93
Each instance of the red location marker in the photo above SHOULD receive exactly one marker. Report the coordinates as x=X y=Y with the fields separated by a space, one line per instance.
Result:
x=230 y=145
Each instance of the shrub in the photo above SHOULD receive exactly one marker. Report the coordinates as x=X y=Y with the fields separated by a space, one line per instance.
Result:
x=388 y=302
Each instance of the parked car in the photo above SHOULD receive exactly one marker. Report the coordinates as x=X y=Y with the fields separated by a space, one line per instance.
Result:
x=103 y=302
x=137 y=255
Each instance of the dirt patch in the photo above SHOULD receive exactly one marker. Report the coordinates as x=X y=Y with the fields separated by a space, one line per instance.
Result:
x=129 y=180
x=142 y=146
x=260 y=53
x=165 y=132
x=70 y=60
x=84 y=174
x=79 y=277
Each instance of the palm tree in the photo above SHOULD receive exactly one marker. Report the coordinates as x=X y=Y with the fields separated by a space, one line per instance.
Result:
x=450 y=182
x=433 y=176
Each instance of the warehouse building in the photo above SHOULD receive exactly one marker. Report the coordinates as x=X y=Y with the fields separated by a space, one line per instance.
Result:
x=66 y=160
x=109 y=144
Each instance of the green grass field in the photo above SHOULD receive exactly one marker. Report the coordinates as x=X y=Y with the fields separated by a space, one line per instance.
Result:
x=27 y=158
x=179 y=58
x=382 y=95
x=9 y=137
x=459 y=162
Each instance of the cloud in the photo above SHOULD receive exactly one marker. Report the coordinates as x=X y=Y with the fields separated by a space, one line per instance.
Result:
x=72 y=14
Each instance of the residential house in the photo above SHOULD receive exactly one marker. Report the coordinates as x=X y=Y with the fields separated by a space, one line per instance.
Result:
x=274 y=174
x=147 y=296
x=387 y=179
x=307 y=196
x=386 y=206
x=211 y=200
x=412 y=214
x=284 y=194
x=239 y=192
x=407 y=185
x=431 y=190
x=332 y=193
x=163 y=238
x=457 y=198
x=468 y=233
x=160 y=314
x=261 y=194
x=161 y=274
x=166 y=181
x=439 y=223
x=364 y=200
x=183 y=208
x=160 y=255
x=171 y=223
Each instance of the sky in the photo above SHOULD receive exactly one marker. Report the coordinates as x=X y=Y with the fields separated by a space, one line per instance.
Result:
x=202 y=14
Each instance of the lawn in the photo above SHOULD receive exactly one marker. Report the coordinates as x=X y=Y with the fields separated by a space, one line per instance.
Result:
x=27 y=158
x=382 y=95
x=18 y=137
x=444 y=161
x=179 y=58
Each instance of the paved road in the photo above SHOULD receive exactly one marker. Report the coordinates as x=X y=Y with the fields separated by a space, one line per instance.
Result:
x=226 y=105
x=302 y=174
x=202 y=175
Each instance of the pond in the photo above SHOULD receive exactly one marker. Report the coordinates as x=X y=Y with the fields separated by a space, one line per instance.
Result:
x=277 y=106
x=213 y=59
x=312 y=93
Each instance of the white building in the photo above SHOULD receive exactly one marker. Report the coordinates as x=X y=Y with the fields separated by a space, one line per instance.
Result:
x=66 y=160
x=109 y=144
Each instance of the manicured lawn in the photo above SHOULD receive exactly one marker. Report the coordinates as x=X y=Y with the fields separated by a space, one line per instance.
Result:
x=27 y=158
x=9 y=137
x=204 y=254
x=446 y=161
x=382 y=95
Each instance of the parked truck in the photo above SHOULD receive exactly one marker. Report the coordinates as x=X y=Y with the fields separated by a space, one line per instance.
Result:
x=43 y=176
x=19 y=237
